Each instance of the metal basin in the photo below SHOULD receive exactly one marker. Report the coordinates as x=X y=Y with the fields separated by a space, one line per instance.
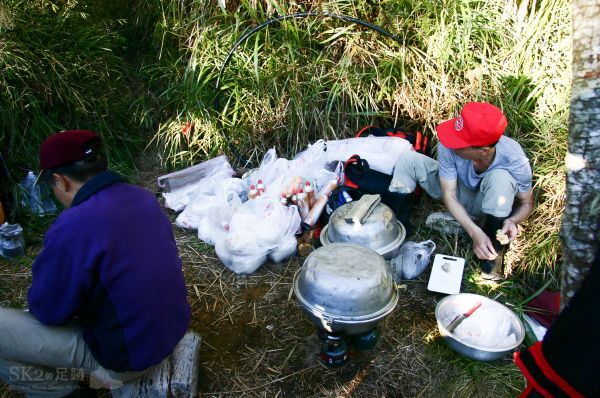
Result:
x=381 y=231
x=455 y=304
x=344 y=287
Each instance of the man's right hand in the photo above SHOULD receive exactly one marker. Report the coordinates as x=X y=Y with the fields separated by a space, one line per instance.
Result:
x=482 y=245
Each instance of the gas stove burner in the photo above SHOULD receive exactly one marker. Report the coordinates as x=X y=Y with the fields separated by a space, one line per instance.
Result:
x=333 y=349
x=365 y=341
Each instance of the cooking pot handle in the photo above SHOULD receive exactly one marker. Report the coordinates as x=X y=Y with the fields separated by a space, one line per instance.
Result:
x=328 y=321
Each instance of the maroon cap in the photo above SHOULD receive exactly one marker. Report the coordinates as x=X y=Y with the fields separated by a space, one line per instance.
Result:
x=479 y=124
x=66 y=147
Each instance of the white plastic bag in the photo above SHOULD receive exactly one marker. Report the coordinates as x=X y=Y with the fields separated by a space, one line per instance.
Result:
x=286 y=249
x=235 y=251
x=257 y=228
x=278 y=173
x=412 y=259
x=219 y=217
x=210 y=213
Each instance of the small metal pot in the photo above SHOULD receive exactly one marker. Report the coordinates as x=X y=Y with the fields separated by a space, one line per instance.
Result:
x=455 y=304
x=381 y=230
x=345 y=288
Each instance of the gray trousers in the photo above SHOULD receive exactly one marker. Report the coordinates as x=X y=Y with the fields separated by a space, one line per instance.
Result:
x=495 y=195
x=49 y=361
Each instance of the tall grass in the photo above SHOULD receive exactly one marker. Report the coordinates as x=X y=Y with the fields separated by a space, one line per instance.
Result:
x=301 y=80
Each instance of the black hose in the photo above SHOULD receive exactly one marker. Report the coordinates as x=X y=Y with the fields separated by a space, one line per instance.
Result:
x=258 y=28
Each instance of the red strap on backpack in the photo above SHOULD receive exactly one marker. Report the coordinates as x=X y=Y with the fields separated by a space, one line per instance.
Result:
x=351 y=160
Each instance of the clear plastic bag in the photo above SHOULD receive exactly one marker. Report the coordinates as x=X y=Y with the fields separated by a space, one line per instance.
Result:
x=12 y=243
x=36 y=197
x=203 y=178
x=411 y=259
x=310 y=164
x=193 y=175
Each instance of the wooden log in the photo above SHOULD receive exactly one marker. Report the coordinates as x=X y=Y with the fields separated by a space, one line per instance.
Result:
x=176 y=376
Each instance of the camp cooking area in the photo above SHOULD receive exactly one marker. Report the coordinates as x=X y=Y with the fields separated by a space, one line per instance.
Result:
x=283 y=312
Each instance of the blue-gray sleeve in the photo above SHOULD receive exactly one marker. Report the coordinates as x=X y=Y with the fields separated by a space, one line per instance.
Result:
x=523 y=175
x=447 y=163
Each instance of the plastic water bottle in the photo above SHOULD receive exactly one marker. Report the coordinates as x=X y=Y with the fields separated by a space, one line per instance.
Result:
x=253 y=192
x=260 y=187
x=36 y=197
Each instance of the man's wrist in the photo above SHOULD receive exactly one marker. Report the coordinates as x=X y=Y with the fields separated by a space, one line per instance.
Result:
x=471 y=230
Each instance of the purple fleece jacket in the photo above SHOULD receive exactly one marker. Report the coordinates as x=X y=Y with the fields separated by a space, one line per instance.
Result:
x=111 y=263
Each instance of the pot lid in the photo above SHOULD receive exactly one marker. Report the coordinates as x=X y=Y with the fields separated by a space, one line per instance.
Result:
x=345 y=280
x=380 y=228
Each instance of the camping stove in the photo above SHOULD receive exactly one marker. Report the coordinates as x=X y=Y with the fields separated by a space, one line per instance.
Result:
x=345 y=290
x=334 y=349
x=337 y=348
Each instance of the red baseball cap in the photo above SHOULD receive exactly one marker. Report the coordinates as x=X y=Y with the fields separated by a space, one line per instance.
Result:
x=66 y=147
x=479 y=124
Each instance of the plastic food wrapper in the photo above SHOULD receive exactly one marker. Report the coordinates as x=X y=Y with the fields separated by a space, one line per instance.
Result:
x=258 y=228
x=487 y=327
x=411 y=259
x=186 y=184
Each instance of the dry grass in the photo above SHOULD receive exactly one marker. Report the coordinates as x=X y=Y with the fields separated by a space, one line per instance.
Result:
x=257 y=342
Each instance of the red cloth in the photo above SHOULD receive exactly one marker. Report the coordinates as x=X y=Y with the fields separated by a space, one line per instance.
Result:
x=550 y=303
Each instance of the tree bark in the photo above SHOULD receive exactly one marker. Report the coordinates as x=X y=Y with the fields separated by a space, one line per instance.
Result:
x=579 y=233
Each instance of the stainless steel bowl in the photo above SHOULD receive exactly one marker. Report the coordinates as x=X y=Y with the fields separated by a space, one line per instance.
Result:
x=344 y=287
x=381 y=231
x=456 y=304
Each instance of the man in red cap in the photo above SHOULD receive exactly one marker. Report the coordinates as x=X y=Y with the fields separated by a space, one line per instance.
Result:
x=479 y=173
x=108 y=298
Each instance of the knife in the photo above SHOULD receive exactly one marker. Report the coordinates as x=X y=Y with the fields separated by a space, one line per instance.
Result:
x=461 y=317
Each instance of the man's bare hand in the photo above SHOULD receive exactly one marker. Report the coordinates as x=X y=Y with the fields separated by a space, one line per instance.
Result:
x=482 y=246
x=510 y=229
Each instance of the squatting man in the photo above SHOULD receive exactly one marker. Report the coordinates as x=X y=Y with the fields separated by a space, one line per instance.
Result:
x=479 y=173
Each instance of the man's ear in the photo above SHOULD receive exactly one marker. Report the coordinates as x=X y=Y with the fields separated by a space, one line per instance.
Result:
x=61 y=182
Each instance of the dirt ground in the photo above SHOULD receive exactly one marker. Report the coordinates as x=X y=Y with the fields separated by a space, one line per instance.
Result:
x=257 y=342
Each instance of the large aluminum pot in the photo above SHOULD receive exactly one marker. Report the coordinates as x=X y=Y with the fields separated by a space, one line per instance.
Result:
x=381 y=231
x=451 y=306
x=345 y=287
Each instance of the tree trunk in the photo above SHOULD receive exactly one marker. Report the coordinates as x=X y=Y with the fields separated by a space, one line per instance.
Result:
x=581 y=218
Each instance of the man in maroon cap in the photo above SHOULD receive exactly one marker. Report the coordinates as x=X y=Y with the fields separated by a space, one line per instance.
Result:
x=108 y=298
x=479 y=173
